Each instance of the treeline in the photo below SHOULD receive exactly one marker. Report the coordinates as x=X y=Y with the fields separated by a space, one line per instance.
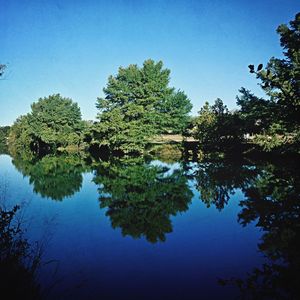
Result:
x=139 y=104
x=4 y=134
x=4 y=131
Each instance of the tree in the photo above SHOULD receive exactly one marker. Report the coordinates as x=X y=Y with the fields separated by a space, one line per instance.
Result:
x=257 y=113
x=20 y=135
x=3 y=138
x=205 y=125
x=174 y=113
x=138 y=104
x=277 y=117
x=53 y=122
x=216 y=128
x=2 y=68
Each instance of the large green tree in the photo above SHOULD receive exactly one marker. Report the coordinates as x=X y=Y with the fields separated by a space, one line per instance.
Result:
x=53 y=122
x=138 y=104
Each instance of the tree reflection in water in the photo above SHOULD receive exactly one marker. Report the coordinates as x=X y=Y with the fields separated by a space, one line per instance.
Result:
x=55 y=177
x=141 y=197
x=217 y=181
x=272 y=201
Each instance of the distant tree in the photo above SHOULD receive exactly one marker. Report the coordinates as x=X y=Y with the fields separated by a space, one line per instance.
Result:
x=4 y=133
x=20 y=135
x=216 y=128
x=205 y=124
x=138 y=104
x=3 y=138
x=53 y=122
x=2 y=68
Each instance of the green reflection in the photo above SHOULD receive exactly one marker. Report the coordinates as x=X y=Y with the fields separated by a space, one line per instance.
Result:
x=140 y=197
x=217 y=181
x=272 y=202
x=54 y=177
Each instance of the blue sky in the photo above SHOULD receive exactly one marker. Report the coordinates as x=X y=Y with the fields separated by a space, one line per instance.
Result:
x=71 y=47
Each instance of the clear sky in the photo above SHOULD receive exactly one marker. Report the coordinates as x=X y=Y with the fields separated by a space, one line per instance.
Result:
x=71 y=47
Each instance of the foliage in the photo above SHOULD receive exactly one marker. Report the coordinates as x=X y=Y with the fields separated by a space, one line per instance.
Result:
x=205 y=125
x=168 y=153
x=3 y=138
x=257 y=113
x=138 y=104
x=276 y=120
x=140 y=198
x=53 y=122
x=20 y=136
x=19 y=261
x=4 y=133
x=216 y=128
x=173 y=115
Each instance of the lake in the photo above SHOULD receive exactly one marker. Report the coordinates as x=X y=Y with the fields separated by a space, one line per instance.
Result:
x=148 y=229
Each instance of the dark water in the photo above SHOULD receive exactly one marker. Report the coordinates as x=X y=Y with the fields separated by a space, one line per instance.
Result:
x=134 y=229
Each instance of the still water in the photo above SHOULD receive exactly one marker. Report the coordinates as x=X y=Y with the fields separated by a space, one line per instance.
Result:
x=135 y=229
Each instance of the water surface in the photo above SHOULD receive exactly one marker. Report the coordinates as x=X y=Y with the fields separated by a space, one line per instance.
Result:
x=135 y=229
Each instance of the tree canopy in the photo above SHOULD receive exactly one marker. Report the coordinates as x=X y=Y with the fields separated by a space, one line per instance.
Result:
x=273 y=120
x=4 y=134
x=138 y=104
x=53 y=122
x=276 y=119
x=216 y=128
